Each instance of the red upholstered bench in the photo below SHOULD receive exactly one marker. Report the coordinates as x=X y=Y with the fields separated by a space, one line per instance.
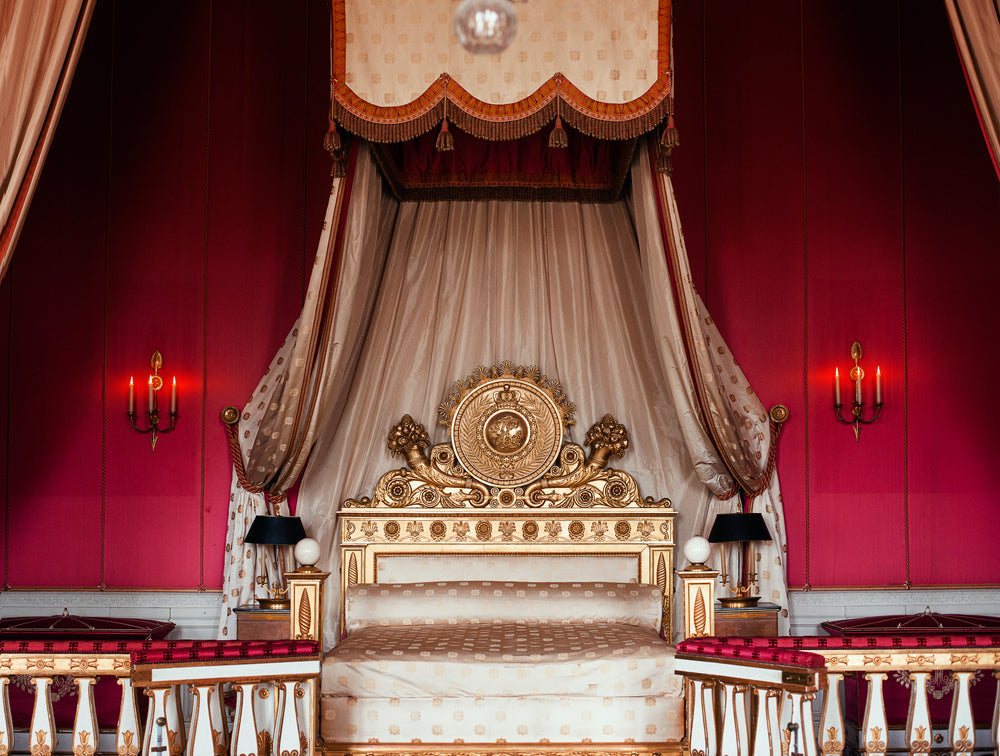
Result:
x=69 y=628
x=896 y=690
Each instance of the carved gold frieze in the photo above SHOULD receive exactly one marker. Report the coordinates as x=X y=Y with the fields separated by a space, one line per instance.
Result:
x=54 y=666
x=506 y=451
x=635 y=527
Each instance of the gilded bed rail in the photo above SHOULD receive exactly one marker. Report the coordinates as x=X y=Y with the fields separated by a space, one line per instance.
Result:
x=785 y=675
x=272 y=686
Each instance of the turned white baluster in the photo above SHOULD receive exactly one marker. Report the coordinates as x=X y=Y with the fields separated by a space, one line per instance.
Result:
x=918 y=721
x=961 y=728
x=996 y=715
x=796 y=724
x=203 y=734
x=127 y=737
x=6 y=723
x=165 y=702
x=806 y=723
x=85 y=732
x=286 y=736
x=831 y=724
x=875 y=730
x=244 y=738
x=767 y=732
x=735 y=739
x=219 y=715
x=703 y=738
x=42 y=736
x=264 y=704
x=306 y=701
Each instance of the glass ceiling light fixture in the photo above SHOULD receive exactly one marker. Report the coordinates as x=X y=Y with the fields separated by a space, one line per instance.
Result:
x=485 y=27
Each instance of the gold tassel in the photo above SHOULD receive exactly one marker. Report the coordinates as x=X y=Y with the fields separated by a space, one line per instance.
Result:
x=445 y=141
x=558 y=139
x=331 y=142
x=669 y=139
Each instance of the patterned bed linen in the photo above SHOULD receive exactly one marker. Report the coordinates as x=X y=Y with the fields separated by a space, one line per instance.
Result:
x=496 y=602
x=507 y=660
x=528 y=720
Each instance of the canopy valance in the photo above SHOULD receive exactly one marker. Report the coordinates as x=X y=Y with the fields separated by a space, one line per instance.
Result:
x=399 y=70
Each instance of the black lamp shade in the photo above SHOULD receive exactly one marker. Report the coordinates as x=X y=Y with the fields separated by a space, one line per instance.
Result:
x=279 y=531
x=740 y=526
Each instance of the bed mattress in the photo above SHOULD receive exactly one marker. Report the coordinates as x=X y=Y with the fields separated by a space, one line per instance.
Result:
x=512 y=682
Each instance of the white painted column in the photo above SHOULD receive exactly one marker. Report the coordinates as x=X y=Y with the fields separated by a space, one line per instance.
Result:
x=919 y=732
x=961 y=729
x=6 y=722
x=244 y=738
x=127 y=737
x=43 y=725
x=831 y=725
x=703 y=738
x=85 y=731
x=875 y=730
x=767 y=733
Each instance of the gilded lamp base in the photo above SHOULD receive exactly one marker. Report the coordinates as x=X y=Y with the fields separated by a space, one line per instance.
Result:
x=739 y=602
x=274 y=603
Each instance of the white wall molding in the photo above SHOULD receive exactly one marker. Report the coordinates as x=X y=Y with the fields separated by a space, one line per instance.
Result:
x=195 y=614
x=809 y=608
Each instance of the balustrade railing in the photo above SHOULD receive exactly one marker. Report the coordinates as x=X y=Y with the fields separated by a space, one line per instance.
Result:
x=755 y=696
x=250 y=697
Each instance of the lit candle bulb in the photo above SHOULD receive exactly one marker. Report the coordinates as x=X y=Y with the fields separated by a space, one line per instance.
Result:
x=152 y=395
x=878 y=385
x=173 y=398
x=836 y=386
x=131 y=395
x=857 y=388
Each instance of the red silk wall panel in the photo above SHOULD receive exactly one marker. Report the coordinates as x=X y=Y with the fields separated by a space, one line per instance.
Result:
x=832 y=182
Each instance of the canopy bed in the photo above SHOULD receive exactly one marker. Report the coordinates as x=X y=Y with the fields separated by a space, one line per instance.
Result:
x=574 y=261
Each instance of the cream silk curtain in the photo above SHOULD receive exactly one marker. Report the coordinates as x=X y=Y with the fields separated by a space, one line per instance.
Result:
x=40 y=43
x=581 y=291
x=306 y=383
x=976 y=27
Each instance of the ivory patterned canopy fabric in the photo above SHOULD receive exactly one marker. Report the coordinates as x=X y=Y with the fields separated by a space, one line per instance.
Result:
x=398 y=69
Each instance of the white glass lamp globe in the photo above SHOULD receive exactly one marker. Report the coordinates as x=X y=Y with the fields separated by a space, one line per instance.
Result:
x=307 y=551
x=485 y=27
x=697 y=550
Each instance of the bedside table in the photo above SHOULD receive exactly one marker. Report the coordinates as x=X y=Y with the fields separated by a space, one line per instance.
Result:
x=755 y=621
x=254 y=623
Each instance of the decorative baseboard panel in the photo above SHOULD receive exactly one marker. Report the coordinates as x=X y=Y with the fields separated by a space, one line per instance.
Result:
x=809 y=608
x=195 y=614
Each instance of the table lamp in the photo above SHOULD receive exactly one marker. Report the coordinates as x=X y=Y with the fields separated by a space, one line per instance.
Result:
x=278 y=533
x=743 y=528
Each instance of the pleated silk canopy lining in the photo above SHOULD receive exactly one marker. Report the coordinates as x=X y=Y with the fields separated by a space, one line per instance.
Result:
x=553 y=116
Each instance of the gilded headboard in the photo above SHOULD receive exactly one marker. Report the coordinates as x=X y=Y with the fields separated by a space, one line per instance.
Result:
x=506 y=492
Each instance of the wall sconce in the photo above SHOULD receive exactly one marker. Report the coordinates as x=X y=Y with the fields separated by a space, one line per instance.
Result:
x=153 y=411
x=276 y=532
x=857 y=405
x=742 y=528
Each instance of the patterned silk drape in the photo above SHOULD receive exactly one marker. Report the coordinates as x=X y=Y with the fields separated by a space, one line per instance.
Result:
x=40 y=43
x=976 y=26
x=305 y=385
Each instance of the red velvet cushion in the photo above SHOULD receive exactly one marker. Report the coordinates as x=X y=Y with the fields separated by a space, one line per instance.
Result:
x=169 y=652
x=718 y=647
